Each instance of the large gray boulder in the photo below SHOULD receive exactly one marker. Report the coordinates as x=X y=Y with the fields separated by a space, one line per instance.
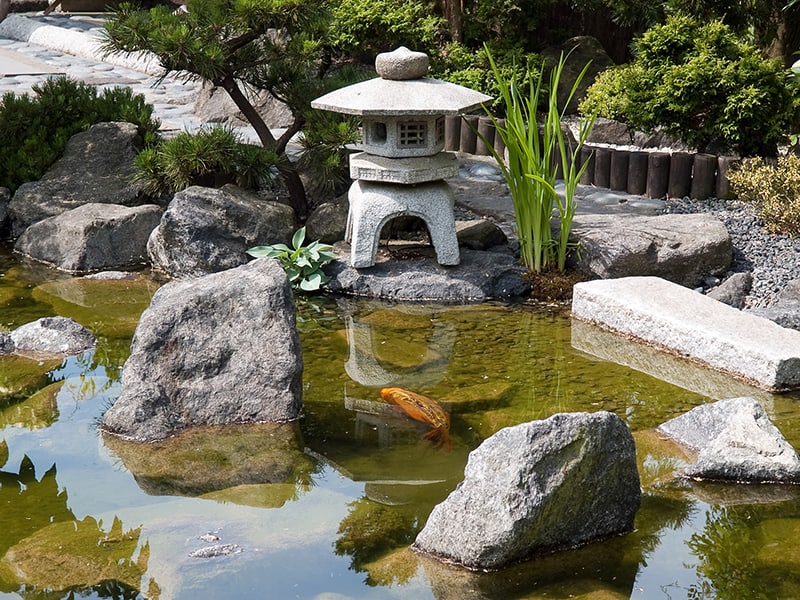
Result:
x=213 y=350
x=97 y=167
x=206 y=230
x=479 y=276
x=92 y=237
x=735 y=441
x=536 y=488
x=48 y=336
x=679 y=248
x=214 y=105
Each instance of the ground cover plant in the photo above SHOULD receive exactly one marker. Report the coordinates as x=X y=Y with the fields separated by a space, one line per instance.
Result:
x=302 y=262
x=34 y=129
x=774 y=189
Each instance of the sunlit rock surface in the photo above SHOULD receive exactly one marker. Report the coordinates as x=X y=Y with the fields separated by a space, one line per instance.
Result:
x=735 y=441
x=679 y=248
x=218 y=349
x=96 y=167
x=52 y=336
x=536 y=488
x=689 y=324
x=92 y=237
x=480 y=276
x=206 y=230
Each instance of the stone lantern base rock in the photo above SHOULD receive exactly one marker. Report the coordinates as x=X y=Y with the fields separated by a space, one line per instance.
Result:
x=373 y=204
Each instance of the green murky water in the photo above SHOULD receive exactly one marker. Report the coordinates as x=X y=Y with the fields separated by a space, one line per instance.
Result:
x=326 y=508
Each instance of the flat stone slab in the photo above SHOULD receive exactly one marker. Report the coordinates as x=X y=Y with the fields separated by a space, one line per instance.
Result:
x=689 y=324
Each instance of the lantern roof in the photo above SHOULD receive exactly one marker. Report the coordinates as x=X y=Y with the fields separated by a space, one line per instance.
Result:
x=401 y=89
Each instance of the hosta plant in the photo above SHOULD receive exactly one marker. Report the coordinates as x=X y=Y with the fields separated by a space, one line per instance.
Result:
x=303 y=264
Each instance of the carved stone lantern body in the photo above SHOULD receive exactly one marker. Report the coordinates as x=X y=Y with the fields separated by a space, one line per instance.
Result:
x=401 y=167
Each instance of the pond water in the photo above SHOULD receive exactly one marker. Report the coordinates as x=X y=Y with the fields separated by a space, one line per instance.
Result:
x=326 y=508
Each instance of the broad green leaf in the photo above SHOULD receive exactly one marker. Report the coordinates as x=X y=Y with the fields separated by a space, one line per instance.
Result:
x=299 y=237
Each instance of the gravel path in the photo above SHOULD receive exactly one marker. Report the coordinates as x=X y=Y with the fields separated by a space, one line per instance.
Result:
x=774 y=260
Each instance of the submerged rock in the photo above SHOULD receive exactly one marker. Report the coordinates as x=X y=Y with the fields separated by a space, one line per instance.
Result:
x=214 y=350
x=52 y=335
x=735 y=441
x=536 y=488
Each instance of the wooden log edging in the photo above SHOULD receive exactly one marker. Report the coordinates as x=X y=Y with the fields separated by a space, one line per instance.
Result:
x=655 y=174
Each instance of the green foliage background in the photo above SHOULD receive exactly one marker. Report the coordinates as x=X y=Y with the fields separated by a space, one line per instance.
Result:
x=35 y=129
x=701 y=83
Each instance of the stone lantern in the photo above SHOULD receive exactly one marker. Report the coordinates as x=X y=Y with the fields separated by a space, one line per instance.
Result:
x=401 y=167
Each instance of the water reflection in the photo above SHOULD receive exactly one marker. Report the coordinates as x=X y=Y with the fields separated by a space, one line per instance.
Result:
x=681 y=372
x=46 y=552
x=203 y=460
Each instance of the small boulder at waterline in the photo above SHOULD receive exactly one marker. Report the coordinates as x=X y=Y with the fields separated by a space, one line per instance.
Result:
x=679 y=248
x=214 y=350
x=536 y=488
x=92 y=237
x=48 y=336
x=735 y=441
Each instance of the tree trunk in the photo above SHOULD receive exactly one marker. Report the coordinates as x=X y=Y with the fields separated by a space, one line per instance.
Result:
x=453 y=12
x=294 y=185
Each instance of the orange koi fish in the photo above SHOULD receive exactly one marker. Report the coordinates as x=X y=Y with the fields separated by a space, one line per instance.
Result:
x=422 y=409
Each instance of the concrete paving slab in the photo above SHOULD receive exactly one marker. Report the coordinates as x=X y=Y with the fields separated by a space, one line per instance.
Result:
x=689 y=324
x=15 y=63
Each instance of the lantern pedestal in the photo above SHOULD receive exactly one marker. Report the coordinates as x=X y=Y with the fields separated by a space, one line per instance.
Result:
x=373 y=204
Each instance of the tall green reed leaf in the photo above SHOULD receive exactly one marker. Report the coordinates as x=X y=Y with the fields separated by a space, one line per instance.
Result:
x=534 y=155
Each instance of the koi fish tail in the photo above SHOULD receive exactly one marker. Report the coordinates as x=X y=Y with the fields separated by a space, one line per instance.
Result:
x=440 y=438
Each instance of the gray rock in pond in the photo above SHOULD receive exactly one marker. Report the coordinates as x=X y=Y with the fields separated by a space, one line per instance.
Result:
x=479 y=234
x=206 y=230
x=97 y=167
x=735 y=441
x=214 y=350
x=480 y=276
x=52 y=335
x=92 y=237
x=679 y=248
x=536 y=488
x=733 y=290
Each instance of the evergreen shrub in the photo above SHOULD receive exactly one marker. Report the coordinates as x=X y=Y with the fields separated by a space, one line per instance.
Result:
x=701 y=84
x=211 y=157
x=35 y=128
